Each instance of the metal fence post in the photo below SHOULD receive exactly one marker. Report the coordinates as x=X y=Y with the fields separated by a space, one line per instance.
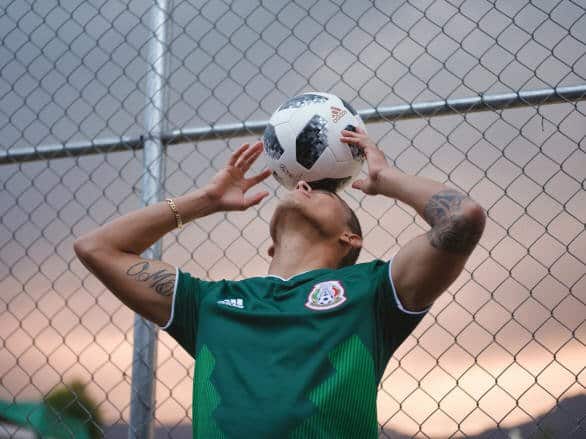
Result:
x=145 y=333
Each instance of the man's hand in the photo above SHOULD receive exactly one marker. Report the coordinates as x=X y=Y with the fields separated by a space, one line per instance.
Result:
x=228 y=187
x=426 y=265
x=112 y=251
x=375 y=159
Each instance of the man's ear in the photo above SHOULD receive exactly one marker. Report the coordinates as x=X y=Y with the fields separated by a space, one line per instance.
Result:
x=271 y=250
x=351 y=239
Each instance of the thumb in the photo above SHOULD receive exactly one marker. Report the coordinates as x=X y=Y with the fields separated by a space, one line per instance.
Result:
x=254 y=199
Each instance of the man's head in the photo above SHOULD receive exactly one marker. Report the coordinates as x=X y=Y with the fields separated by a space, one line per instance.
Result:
x=322 y=214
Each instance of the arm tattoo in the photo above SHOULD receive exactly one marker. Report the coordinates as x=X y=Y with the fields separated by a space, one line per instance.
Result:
x=451 y=230
x=163 y=282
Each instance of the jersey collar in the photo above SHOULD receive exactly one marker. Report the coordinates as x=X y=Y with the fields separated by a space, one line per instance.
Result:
x=295 y=275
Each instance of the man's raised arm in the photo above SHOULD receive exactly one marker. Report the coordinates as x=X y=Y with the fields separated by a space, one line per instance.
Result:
x=427 y=265
x=112 y=251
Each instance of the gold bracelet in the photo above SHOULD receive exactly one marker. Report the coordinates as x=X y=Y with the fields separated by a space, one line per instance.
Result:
x=174 y=209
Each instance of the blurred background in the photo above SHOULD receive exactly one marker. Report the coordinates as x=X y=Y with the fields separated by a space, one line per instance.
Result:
x=501 y=354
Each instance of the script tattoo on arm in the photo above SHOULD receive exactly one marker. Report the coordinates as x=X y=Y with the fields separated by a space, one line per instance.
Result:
x=162 y=281
x=451 y=229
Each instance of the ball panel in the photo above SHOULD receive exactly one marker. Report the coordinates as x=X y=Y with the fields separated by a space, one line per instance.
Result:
x=311 y=141
x=323 y=167
x=329 y=174
x=272 y=146
x=280 y=117
x=340 y=150
x=286 y=167
x=303 y=100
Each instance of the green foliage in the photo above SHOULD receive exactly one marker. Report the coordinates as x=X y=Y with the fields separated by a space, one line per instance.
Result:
x=73 y=400
x=545 y=432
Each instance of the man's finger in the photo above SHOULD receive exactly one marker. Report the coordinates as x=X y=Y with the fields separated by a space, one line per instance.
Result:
x=236 y=154
x=254 y=199
x=252 y=181
x=251 y=158
x=352 y=140
x=248 y=156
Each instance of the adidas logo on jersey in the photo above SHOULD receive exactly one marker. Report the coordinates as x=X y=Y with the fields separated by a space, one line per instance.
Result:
x=337 y=113
x=234 y=303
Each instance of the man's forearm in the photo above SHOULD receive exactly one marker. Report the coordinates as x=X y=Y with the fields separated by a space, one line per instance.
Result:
x=410 y=189
x=138 y=230
x=457 y=221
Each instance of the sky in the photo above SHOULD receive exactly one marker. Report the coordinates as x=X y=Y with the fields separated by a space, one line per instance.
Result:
x=74 y=71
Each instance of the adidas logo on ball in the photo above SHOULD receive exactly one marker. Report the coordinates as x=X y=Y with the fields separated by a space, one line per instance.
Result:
x=337 y=114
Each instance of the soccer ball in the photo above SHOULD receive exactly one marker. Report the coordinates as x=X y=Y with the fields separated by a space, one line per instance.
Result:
x=302 y=142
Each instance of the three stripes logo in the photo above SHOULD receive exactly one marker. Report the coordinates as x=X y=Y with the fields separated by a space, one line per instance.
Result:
x=337 y=113
x=234 y=303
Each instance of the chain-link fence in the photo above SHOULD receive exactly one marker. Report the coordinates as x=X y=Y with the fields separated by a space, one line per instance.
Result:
x=502 y=352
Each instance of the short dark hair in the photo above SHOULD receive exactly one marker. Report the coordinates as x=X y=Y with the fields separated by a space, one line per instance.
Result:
x=354 y=225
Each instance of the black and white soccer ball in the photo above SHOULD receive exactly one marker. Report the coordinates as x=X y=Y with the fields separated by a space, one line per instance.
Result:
x=302 y=142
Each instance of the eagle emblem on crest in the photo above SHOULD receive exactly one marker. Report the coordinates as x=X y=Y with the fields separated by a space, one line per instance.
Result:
x=326 y=295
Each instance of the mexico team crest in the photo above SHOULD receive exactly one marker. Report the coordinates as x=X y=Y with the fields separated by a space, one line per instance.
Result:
x=326 y=295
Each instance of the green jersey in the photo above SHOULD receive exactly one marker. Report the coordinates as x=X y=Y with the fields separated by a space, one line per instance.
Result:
x=298 y=357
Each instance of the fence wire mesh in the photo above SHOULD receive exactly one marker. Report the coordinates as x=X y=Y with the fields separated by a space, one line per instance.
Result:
x=501 y=353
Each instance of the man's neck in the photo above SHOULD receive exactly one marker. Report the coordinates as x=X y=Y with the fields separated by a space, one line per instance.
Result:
x=297 y=254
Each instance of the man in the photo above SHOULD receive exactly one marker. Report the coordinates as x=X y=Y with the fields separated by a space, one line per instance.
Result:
x=299 y=352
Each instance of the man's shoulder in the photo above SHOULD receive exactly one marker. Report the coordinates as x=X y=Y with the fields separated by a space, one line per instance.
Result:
x=369 y=272
x=366 y=267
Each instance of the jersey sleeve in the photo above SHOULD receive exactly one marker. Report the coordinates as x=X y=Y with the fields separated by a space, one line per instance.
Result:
x=394 y=321
x=182 y=323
